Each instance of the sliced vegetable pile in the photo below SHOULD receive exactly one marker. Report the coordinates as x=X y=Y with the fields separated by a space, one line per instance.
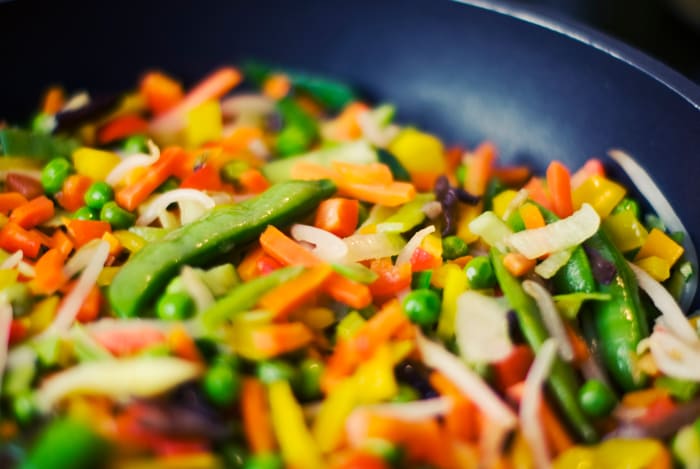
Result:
x=264 y=271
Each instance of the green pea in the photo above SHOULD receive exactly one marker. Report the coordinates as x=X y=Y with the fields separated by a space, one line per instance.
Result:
x=264 y=461
x=480 y=273
x=422 y=306
x=596 y=398
x=43 y=123
x=627 y=205
x=54 y=174
x=135 y=144
x=453 y=247
x=175 y=306
x=406 y=393
x=98 y=194
x=85 y=213
x=269 y=371
x=311 y=371
x=292 y=140
x=23 y=407
x=116 y=216
x=222 y=384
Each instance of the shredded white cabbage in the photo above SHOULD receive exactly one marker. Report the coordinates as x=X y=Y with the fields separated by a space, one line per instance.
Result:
x=551 y=265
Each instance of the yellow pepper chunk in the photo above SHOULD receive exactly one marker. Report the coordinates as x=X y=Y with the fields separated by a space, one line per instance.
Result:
x=418 y=152
x=432 y=244
x=502 y=201
x=601 y=193
x=661 y=245
x=106 y=276
x=465 y=215
x=335 y=409
x=615 y=454
x=625 y=231
x=8 y=277
x=317 y=318
x=349 y=325
x=204 y=124
x=130 y=241
x=455 y=285
x=42 y=314
x=298 y=447
x=658 y=268
x=374 y=379
x=95 y=164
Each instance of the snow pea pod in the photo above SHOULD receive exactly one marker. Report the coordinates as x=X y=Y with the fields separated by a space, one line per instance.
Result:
x=562 y=380
x=225 y=227
x=621 y=322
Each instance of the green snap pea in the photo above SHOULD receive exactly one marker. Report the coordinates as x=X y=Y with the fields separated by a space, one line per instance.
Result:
x=619 y=323
x=225 y=227
x=562 y=379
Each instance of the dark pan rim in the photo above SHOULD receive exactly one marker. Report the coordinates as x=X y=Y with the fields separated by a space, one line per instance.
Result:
x=665 y=75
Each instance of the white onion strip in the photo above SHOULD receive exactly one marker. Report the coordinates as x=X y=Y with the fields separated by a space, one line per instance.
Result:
x=26 y=269
x=159 y=203
x=80 y=259
x=5 y=322
x=663 y=209
x=481 y=328
x=530 y=423
x=561 y=234
x=662 y=299
x=412 y=411
x=519 y=199
x=413 y=243
x=373 y=246
x=551 y=265
x=550 y=317
x=195 y=287
x=673 y=356
x=74 y=300
x=471 y=384
x=327 y=246
x=131 y=162
x=13 y=260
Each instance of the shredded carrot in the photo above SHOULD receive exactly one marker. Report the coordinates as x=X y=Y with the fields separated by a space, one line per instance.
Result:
x=284 y=299
x=559 y=183
x=83 y=231
x=72 y=195
x=33 y=213
x=121 y=127
x=480 y=169
x=132 y=195
x=538 y=192
x=512 y=175
x=10 y=201
x=53 y=100
x=13 y=237
x=90 y=309
x=49 y=272
x=255 y=410
x=275 y=339
x=338 y=215
x=462 y=261
x=462 y=419
x=253 y=182
x=61 y=242
x=389 y=195
x=517 y=264
x=277 y=86
x=160 y=92
x=531 y=215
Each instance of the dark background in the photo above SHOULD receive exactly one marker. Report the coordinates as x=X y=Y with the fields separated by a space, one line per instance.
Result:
x=657 y=27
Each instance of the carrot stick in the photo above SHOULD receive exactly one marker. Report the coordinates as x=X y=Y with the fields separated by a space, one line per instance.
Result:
x=512 y=175
x=276 y=339
x=72 y=195
x=132 y=195
x=61 y=242
x=255 y=410
x=517 y=264
x=49 y=272
x=211 y=87
x=277 y=86
x=90 y=309
x=480 y=169
x=253 y=181
x=10 y=201
x=538 y=192
x=531 y=215
x=371 y=173
x=284 y=299
x=559 y=183
x=289 y=252
x=160 y=92
x=13 y=237
x=312 y=171
x=338 y=215
x=83 y=231
x=462 y=420
x=390 y=195
x=121 y=127
x=53 y=100
x=33 y=213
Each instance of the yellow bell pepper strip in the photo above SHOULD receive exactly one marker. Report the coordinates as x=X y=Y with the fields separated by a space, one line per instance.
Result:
x=617 y=453
x=661 y=245
x=95 y=164
x=625 y=230
x=204 y=124
x=502 y=200
x=601 y=193
x=299 y=449
x=455 y=285
x=657 y=267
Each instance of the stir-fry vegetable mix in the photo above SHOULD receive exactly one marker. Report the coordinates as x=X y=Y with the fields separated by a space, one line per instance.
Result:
x=287 y=277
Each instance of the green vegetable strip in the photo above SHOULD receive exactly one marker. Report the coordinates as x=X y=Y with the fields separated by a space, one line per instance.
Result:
x=562 y=380
x=621 y=322
x=17 y=142
x=224 y=228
